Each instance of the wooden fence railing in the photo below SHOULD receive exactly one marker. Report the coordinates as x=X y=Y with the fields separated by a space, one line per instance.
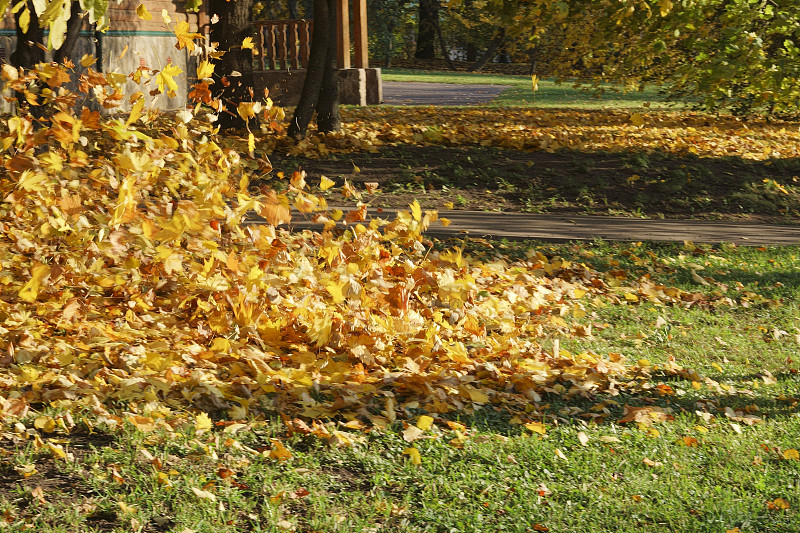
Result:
x=283 y=44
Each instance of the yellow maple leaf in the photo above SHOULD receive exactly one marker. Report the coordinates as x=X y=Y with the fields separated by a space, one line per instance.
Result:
x=537 y=427
x=325 y=183
x=791 y=455
x=202 y=422
x=165 y=79
x=778 y=504
x=88 y=60
x=335 y=289
x=136 y=112
x=30 y=291
x=248 y=110
x=247 y=43
x=185 y=38
x=205 y=69
x=424 y=422
x=413 y=454
x=142 y=13
x=416 y=211
x=279 y=451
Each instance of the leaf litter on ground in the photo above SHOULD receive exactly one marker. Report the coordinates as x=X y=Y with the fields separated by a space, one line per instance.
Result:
x=669 y=132
x=136 y=290
x=135 y=280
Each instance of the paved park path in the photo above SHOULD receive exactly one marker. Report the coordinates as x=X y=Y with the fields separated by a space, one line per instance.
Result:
x=559 y=227
x=413 y=93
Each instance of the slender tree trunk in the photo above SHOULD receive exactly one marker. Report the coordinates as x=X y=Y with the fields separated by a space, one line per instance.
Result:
x=317 y=63
x=389 y=43
x=493 y=46
x=293 y=13
x=232 y=28
x=472 y=53
x=445 y=52
x=328 y=118
x=73 y=32
x=426 y=29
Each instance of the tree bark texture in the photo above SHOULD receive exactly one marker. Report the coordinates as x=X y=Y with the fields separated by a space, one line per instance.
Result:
x=233 y=27
x=28 y=51
x=490 y=52
x=445 y=52
x=426 y=29
x=328 y=117
x=317 y=63
x=73 y=32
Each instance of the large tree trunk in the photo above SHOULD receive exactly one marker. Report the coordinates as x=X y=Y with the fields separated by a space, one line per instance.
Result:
x=328 y=118
x=317 y=64
x=73 y=32
x=426 y=29
x=229 y=32
x=28 y=51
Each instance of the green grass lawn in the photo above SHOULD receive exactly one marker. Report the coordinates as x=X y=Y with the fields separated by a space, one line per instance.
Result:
x=705 y=470
x=550 y=94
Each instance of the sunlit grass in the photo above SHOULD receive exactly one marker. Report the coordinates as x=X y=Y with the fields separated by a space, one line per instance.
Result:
x=706 y=470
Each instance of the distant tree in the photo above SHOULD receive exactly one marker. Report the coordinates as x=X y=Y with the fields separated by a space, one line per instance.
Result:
x=742 y=55
x=427 y=24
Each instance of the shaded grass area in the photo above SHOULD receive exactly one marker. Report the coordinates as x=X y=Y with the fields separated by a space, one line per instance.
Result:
x=641 y=184
x=549 y=94
x=706 y=470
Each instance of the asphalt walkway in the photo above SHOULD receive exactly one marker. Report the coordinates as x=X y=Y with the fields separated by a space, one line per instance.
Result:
x=519 y=226
x=564 y=228
x=413 y=93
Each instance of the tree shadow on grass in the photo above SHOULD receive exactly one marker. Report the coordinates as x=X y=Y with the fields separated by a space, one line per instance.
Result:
x=644 y=183
x=743 y=404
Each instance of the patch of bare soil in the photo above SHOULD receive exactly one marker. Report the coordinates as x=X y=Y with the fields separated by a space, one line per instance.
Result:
x=652 y=185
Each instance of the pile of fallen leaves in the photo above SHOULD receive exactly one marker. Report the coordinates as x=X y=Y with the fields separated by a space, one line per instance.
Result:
x=134 y=287
x=677 y=133
x=138 y=286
